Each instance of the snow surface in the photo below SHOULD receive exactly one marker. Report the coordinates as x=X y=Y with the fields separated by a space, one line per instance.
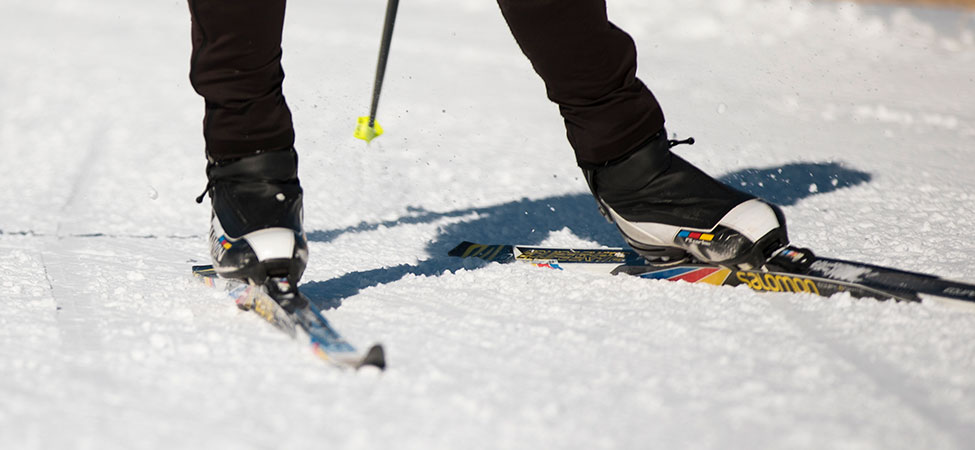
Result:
x=859 y=120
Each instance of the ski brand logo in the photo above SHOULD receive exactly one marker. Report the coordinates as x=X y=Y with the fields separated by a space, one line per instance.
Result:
x=550 y=265
x=224 y=242
x=970 y=293
x=770 y=282
x=219 y=243
x=695 y=235
x=564 y=256
x=219 y=246
x=486 y=252
x=265 y=308
x=793 y=255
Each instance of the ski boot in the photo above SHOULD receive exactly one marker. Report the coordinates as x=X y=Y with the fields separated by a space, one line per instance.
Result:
x=255 y=227
x=671 y=212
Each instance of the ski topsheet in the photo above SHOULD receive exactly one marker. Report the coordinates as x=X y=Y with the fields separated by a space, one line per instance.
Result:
x=305 y=323
x=823 y=276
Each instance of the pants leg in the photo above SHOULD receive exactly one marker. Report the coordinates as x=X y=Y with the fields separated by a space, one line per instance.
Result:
x=236 y=67
x=589 y=69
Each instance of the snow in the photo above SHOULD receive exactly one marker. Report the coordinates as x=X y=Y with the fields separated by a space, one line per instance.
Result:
x=858 y=120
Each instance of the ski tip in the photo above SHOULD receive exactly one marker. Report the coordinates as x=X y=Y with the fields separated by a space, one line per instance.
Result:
x=491 y=253
x=460 y=249
x=375 y=357
x=205 y=270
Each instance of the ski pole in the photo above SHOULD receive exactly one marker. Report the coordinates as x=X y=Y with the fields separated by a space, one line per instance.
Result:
x=366 y=128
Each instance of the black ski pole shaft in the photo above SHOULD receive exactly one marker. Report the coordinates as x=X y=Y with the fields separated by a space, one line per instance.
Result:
x=391 y=8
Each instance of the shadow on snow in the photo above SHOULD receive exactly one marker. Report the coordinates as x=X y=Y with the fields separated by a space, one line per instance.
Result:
x=530 y=222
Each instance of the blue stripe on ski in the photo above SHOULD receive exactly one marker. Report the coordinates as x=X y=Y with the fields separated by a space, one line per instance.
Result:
x=667 y=274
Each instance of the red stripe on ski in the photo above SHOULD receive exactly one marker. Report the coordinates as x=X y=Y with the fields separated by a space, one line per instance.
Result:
x=696 y=275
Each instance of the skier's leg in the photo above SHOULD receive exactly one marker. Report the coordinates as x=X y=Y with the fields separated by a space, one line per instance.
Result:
x=236 y=67
x=663 y=206
x=589 y=69
x=256 y=225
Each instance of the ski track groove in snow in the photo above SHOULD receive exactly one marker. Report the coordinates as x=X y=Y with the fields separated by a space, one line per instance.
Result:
x=79 y=180
x=857 y=118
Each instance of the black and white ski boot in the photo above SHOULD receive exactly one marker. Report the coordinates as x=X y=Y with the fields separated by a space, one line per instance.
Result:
x=256 y=230
x=670 y=211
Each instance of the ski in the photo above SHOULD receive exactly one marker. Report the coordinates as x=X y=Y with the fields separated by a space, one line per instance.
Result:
x=304 y=322
x=814 y=275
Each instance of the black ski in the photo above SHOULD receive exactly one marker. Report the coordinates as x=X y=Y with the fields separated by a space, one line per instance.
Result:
x=792 y=270
x=288 y=310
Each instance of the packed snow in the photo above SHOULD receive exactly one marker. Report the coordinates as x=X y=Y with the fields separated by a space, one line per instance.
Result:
x=858 y=120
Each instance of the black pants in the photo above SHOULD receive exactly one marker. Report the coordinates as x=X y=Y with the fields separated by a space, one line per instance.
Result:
x=587 y=63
